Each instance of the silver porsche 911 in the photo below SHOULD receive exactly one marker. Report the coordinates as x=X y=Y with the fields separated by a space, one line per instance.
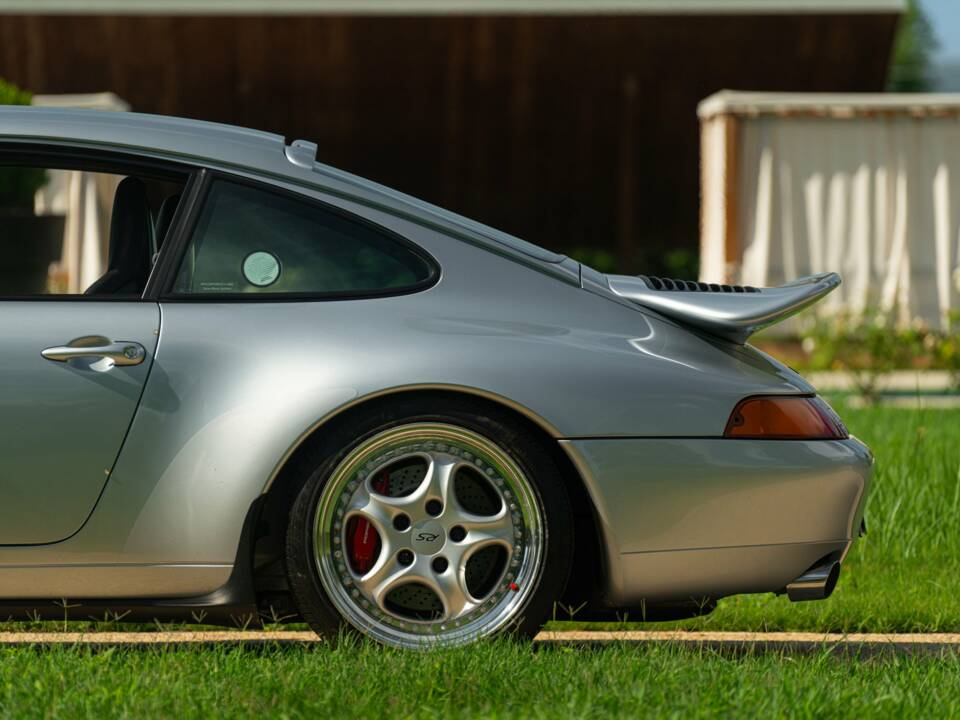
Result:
x=238 y=384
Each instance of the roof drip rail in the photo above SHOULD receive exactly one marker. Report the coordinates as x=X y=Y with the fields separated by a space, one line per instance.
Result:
x=302 y=153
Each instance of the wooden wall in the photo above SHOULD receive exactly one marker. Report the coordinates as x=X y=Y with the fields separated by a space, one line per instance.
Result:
x=564 y=130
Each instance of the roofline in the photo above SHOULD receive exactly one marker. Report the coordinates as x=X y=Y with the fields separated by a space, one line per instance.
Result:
x=449 y=7
x=836 y=105
x=261 y=154
x=174 y=136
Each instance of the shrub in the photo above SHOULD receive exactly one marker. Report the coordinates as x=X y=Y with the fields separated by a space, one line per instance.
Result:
x=18 y=185
x=677 y=263
x=870 y=345
x=948 y=348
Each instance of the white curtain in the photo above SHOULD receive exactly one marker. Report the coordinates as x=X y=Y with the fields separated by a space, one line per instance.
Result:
x=84 y=198
x=876 y=198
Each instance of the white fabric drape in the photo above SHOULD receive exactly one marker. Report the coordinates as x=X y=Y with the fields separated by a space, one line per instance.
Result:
x=84 y=198
x=874 y=197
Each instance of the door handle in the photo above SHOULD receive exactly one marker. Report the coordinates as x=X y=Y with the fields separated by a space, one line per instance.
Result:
x=121 y=353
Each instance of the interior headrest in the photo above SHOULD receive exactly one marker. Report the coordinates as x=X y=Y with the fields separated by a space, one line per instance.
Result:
x=130 y=224
x=165 y=218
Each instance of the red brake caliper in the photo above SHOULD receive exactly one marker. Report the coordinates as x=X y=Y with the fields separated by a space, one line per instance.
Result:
x=364 y=541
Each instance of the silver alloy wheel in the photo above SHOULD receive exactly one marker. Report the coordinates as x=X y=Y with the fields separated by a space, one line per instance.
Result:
x=480 y=504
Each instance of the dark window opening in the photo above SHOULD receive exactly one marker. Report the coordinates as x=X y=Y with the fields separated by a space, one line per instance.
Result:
x=251 y=241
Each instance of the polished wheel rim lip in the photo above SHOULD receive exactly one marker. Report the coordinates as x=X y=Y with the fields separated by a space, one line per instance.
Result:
x=436 y=443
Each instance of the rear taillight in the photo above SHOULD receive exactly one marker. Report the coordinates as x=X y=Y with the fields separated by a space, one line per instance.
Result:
x=784 y=417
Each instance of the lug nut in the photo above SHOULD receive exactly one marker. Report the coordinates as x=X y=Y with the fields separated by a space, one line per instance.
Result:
x=405 y=557
x=457 y=533
x=440 y=564
x=401 y=522
x=434 y=507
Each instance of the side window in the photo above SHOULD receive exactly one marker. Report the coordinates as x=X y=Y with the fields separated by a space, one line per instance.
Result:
x=76 y=232
x=249 y=240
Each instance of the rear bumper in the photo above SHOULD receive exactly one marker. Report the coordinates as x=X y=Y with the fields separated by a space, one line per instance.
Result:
x=704 y=517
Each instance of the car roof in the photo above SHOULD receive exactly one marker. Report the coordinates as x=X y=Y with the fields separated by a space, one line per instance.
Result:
x=203 y=142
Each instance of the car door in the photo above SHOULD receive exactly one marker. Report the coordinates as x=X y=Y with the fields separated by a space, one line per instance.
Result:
x=63 y=417
x=74 y=354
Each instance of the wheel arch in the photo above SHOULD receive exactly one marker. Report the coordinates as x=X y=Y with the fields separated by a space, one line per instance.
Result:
x=283 y=485
x=386 y=395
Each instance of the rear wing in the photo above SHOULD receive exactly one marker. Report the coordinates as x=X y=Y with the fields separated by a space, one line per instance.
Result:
x=734 y=312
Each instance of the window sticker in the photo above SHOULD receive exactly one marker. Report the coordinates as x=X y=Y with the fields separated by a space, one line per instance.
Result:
x=218 y=286
x=261 y=268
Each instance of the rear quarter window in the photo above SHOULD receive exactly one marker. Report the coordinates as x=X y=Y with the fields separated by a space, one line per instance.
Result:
x=253 y=241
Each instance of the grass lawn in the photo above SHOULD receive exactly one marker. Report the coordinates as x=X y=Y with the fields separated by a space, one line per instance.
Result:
x=904 y=576
x=494 y=679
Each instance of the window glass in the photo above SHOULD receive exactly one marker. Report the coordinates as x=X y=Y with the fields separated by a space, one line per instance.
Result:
x=78 y=232
x=249 y=240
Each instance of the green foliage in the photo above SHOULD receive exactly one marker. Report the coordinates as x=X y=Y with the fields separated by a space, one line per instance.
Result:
x=18 y=185
x=599 y=259
x=10 y=94
x=947 y=351
x=869 y=346
x=914 y=43
x=677 y=263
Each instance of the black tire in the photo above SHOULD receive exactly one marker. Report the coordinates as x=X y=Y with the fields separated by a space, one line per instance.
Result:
x=511 y=436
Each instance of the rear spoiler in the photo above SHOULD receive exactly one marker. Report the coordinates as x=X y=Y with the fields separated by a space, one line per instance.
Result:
x=734 y=312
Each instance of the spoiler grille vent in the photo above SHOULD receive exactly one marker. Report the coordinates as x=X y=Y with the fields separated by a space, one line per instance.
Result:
x=670 y=284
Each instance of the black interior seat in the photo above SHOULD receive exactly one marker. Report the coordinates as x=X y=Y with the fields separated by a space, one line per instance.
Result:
x=165 y=217
x=130 y=241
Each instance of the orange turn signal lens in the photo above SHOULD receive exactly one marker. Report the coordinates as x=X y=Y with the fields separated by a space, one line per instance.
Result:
x=784 y=417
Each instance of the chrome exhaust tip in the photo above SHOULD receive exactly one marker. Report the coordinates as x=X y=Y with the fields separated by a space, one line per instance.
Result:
x=816 y=583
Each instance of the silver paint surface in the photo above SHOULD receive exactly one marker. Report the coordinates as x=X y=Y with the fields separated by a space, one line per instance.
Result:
x=638 y=399
x=62 y=423
x=692 y=499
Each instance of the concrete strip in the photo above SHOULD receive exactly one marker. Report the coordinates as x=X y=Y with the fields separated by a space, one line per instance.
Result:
x=856 y=643
x=741 y=643
x=910 y=402
x=230 y=637
x=910 y=381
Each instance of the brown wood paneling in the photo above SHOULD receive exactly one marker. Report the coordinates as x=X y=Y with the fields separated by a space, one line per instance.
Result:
x=516 y=121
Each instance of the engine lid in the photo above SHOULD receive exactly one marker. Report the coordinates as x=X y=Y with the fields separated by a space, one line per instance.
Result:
x=734 y=312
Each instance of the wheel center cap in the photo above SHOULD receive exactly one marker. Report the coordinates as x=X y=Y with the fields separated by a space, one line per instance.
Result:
x=427 y=537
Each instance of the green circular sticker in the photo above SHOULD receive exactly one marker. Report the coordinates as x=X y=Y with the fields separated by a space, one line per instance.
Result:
x=261 y=268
